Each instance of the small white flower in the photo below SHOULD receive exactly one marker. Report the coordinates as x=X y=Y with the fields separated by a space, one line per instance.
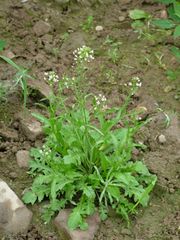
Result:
x=83 y=53
x=51 y=77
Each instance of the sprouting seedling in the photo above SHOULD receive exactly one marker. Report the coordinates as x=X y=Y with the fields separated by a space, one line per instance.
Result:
x=20 y=77
x=88 y=24
x=167 y=118
x=159 y=58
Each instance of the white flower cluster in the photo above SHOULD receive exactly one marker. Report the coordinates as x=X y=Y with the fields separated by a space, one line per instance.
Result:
x=67 y=81
x=100 y=101
x=45 y=150
x=83 y=54
x=51 y=77
x=135 y=82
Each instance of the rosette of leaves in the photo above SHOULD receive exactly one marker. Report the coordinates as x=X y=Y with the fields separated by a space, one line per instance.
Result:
x=88 y=166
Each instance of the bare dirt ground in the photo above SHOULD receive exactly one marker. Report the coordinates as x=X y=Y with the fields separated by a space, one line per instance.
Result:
x=42 y=49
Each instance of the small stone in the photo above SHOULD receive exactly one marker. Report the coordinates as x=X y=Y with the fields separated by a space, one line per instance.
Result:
x=13 y=175
x=163 y=14
x=162 y=139
x=23 y=158
x=171 y=190
x=31 y=128
x=14 y=149
x=168 y=89
x=61 y=224
x=8 y=54
x=121 y=18
x=14 y=216
x=47 y=38
x=135 y=152
x=41 y=28
x=41 y=88
x=99 y=28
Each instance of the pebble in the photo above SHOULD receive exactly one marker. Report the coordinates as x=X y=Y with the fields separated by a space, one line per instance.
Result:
x=163 y=14
x=121 y=18
x=23 y=158
x=9 y=54
x=99 y=28
x=162 y=139
x=171 y=190
x=168 y=89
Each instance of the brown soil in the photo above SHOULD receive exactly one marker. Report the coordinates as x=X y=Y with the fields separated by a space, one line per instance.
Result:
x=137 y=57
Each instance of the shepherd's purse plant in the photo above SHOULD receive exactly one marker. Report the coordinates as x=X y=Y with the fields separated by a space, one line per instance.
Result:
x=86 y=160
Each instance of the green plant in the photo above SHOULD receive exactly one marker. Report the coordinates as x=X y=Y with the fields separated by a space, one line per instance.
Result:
x=88 y=25
x=3 y=92
x=173 y=21
x=20 y=77
x=86 y=160
x=141 y=23
x=113 y=49
x=113 y=54
x=173 y=74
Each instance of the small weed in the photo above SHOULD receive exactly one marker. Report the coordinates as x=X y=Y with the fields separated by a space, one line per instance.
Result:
x=113 y=55
x=3 y=93
x=173 y=21
x=20 y=77
x=159 y=58
x=88 y=25
x=113 y=51
x=172 y=74
x=86 y=160
x=65 y=36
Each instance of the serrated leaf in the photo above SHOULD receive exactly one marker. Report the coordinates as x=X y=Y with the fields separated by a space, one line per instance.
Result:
x=103 y=212
x=137 y=14
x=163 y=23
x=89 y=207
x=140 y=168
x=89 y=192
x=114 y=192
x=83 y=226
x=29 y=197
x=75 y=219
x=53 y=189
x=177 y=31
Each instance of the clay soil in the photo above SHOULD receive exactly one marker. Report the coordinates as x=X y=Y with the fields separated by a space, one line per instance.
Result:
x=52 y=50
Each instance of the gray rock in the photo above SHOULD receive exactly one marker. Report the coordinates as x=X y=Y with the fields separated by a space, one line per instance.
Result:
x=99 y=28
x=23 y=158
x=30 y=127
x=161 y=139
x=8 y=54
x=41 y=88
x=41 y=28
x=14 y=216
x=61 y=224
x=121 y=18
